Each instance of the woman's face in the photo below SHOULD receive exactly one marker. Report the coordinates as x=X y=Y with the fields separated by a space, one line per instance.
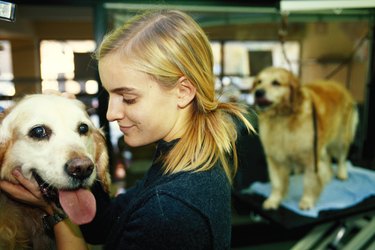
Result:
x=144 y=111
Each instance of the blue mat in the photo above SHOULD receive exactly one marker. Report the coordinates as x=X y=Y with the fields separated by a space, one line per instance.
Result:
x=336 y=195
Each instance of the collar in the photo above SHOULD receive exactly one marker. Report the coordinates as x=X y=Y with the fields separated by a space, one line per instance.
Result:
x=164 y=147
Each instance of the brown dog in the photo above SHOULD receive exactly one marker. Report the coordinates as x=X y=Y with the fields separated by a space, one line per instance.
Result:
x=303 y=127
x=52 y=141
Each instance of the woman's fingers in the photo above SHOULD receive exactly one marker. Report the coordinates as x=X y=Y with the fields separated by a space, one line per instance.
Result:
x=26 y=191
x=19 y=192
x=27 y=184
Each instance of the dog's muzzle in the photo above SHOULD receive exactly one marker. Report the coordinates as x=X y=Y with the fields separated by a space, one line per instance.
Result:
x=78 y=169
x=260 y=99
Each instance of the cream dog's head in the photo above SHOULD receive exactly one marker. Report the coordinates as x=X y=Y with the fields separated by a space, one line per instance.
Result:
x=274 y=88
x=52 y=139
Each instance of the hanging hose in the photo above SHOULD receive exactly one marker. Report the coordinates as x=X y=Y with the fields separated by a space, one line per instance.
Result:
x=282 y=33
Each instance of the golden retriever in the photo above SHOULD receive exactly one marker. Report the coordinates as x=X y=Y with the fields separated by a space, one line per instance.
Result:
x=303 y=128
x=51 y=140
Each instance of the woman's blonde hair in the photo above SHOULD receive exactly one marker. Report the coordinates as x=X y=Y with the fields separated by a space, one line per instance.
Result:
x=168 y=44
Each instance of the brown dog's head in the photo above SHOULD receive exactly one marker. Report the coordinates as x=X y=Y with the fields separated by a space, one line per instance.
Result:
x=51 y=139
x=275 y=88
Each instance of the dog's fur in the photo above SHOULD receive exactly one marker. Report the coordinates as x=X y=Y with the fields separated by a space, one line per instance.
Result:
x=286 y=130
x=41 y=134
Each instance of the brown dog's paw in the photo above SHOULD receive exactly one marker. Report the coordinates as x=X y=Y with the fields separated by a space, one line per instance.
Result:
x=342 y=174
x=271 y=204
x=306 y=203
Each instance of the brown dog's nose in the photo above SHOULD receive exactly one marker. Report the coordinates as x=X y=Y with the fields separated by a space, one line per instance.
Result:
x=260 y=93
x=79 y=168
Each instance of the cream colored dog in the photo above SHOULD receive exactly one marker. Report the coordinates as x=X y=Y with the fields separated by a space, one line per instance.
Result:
x=51 y=140
x=303 y=127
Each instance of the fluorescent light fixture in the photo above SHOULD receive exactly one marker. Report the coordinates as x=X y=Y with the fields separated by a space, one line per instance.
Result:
x=7 y=11
x=192 y=8
x=308 y=5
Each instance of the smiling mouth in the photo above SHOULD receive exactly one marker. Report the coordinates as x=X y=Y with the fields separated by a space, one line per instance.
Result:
x=79 y=204
x=262 y=102
x=125 y=129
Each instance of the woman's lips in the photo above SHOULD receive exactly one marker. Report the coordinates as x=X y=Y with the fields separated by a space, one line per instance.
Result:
x=126 y=129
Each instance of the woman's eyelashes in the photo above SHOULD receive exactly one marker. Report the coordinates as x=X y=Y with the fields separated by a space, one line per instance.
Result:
x=129 y=100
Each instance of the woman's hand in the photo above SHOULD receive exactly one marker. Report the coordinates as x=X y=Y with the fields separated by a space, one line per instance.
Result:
x=26 y=191
x=67 y=235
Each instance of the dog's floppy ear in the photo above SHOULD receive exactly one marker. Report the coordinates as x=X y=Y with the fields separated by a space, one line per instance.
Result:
x=4 y=143
x=8 y=119
x=295 y=90
x=101 y=159
x=3 y=148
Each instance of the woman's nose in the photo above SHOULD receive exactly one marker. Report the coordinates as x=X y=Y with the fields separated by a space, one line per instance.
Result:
x=114 y=111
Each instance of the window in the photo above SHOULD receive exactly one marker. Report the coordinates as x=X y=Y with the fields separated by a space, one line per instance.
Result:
x=6 y=70
x=68 y=66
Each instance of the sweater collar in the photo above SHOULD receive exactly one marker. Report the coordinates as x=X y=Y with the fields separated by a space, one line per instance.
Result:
x=164 y=147
x=156 y=170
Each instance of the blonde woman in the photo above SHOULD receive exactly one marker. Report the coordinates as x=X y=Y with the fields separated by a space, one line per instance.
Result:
x=158 y=71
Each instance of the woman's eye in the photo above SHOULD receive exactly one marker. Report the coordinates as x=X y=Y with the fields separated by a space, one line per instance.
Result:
x=129 y=101
x=276 y=83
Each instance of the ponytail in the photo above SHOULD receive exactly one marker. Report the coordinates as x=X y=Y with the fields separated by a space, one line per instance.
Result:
x=210 y=137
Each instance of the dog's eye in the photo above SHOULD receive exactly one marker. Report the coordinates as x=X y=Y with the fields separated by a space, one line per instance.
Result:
x=258 y=81
x=40 y=132
x=83 y=129
x=276 y=83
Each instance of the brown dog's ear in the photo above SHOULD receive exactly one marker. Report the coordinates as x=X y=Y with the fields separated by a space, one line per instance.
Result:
x=294 y=80
x=295 y=91
x=3 y=149
x=101 y=159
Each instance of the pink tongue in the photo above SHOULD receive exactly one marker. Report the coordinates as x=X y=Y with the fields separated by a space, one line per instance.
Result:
x=79 y=205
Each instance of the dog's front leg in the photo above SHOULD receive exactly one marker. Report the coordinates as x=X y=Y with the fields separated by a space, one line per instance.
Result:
x=312 y=187
x=315 y=178
x=279 y=177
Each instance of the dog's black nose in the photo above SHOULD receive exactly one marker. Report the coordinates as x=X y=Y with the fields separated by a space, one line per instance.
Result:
x=79 y=168
x=260 y=93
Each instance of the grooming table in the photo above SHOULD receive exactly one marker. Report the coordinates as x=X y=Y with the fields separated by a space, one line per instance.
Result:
x=328 y=230
x=351 y=227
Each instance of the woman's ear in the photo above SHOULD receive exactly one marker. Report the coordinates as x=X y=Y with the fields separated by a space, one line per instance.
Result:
x=186 y=92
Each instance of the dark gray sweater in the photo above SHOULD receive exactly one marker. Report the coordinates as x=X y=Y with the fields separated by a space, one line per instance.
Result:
x=180 y=211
